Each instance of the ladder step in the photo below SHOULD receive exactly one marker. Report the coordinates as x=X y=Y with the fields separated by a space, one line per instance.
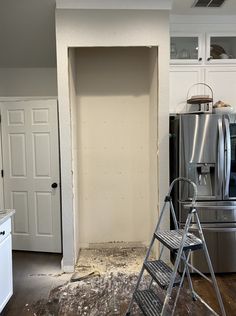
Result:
x=148 y=302
x=161 y=273
x=172 y=239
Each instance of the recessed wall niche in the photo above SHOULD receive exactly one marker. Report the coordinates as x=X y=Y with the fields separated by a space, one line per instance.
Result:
x=113 y=99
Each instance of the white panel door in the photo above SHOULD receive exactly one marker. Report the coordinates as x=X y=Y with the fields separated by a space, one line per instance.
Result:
x=31 y=173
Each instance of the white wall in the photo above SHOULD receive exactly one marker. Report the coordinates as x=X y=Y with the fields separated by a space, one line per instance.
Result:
x=113 y=144
x=27 y=33
x=153 y=136
x=89 y=28
x=74 y=135
x=28 y=82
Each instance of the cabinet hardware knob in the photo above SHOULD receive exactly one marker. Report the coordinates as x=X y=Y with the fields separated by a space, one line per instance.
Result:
x=3 y=232
x=209 y=58
x=200 y=59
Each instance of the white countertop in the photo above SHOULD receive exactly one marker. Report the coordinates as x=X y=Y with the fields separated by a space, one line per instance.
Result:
x=5 y=214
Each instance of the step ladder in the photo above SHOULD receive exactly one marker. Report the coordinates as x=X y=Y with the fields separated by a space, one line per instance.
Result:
x=182 y=243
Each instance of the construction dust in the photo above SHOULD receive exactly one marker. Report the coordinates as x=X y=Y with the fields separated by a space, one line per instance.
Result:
x=111 y=260
x=107 y=278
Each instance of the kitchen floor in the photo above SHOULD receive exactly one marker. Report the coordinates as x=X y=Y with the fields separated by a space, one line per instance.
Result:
x=40 y=289
x=34 y=276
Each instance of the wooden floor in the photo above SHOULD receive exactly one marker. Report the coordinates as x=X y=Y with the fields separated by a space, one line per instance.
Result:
x=35 y=274
x=227 y=286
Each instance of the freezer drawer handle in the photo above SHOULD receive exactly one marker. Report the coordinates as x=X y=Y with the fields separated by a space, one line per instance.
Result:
x=221 y=230
x=212 y=207
x=217 y=229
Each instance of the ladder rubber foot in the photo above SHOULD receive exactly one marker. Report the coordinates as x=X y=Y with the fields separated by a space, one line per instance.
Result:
x=194 y=298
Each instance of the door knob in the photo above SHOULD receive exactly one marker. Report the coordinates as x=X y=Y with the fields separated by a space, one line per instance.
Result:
x=54 y=185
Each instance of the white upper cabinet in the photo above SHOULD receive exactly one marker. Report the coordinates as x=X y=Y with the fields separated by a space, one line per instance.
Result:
x=221 y=48
x=186 y=48
x=204 y=48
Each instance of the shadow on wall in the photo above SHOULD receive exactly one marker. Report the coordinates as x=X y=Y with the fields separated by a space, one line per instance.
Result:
x=113 y=71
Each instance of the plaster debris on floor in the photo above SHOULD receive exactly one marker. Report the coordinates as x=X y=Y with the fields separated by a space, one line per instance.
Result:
x=108 y=277
x=111 y=260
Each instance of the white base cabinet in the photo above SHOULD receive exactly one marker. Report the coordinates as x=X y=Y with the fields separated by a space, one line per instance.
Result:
x=6 y=284
x=181 y=79
x=222 y=80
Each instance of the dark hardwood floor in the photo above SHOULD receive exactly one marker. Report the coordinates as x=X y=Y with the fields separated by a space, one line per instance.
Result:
x=227 y=286
x=34 y=275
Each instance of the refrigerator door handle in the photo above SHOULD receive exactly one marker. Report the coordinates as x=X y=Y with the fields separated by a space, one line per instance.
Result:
x=220 y=158
x=227 y=157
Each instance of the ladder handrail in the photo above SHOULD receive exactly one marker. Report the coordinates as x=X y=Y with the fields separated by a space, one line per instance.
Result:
x=193 y=202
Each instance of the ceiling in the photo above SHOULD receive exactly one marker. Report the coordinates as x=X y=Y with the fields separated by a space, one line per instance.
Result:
x=183 y=7
x=27 y=29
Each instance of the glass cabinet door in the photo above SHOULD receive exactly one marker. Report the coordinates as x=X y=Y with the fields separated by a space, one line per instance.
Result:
x=184 y=48
x=221 y=49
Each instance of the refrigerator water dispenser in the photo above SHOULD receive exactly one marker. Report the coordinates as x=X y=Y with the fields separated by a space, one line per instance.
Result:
x=203 y=175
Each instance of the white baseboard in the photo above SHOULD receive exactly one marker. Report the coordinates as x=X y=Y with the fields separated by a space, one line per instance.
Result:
x=67 y=268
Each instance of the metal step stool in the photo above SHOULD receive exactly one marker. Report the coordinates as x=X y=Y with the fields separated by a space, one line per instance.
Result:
x=181 y=242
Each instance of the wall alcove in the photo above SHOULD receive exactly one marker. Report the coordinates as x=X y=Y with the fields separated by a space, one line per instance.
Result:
x=113 y=101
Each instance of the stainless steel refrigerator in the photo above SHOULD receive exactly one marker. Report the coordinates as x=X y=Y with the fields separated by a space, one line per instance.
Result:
x=203 y=149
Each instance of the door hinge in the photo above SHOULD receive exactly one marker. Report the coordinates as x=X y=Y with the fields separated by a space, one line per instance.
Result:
x=2 y=173
x=0 y=118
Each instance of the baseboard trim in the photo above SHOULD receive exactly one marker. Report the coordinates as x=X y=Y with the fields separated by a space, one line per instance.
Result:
x=67 y=268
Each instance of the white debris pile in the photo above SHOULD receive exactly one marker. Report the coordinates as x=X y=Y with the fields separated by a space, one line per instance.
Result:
x=108 y=295
x=106 y=282
x=105 y=260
